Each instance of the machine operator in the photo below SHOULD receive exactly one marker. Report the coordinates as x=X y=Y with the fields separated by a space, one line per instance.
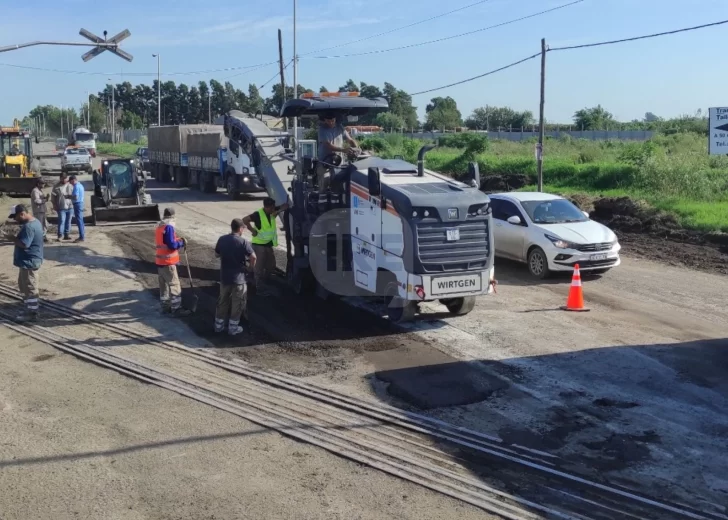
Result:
x=331 y=137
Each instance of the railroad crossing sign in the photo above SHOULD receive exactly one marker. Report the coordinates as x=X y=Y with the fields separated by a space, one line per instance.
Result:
x=718 y=131
x=111 y=45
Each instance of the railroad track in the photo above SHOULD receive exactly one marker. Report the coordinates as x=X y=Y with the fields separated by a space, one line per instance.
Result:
x=473 y=467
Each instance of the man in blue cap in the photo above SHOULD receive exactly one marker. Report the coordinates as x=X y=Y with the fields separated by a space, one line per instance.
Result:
x=28 y=257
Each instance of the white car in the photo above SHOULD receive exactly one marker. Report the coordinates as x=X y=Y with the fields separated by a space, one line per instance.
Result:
x=549 y=233
x=76 y=159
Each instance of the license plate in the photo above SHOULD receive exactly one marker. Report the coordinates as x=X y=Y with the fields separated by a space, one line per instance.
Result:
x=456 y=284
x=602 y=256
x=453 y=234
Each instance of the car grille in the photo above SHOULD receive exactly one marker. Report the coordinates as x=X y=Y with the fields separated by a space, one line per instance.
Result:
x=438 y=255
x=603 y=246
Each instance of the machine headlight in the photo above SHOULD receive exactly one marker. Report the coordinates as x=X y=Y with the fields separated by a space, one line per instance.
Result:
x=561 y=244
x=106 y=162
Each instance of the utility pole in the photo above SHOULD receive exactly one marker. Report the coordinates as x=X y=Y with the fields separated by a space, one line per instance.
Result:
x=209 y=105
x=88 y=110
x=159 y=91
x=113 y=116
x=539 y=147
x=283 y=78
x=61 y=120
x=295 y=82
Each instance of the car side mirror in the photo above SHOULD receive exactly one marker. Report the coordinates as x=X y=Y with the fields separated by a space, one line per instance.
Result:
x=515 y=220
x=374 y=181
x=586 y=214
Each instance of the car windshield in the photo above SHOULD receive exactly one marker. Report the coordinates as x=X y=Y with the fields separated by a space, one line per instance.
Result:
x=61 y=141
x=76 y=151
x=84 y=137
x=143 y=152
x=556 y=211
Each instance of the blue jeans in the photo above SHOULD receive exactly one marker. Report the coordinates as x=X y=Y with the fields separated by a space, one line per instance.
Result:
x=78 y=213
x=64 y=222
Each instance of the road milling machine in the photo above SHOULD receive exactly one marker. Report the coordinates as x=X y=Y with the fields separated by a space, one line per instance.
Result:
x=18 y=173
x=384 y=227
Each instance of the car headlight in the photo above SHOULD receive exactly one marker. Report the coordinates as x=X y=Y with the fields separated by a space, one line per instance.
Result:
x=561 y=244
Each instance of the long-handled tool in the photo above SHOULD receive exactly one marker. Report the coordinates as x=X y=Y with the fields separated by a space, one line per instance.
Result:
x=195 y=298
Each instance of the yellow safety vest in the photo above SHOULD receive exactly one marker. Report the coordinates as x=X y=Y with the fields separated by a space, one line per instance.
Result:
x=267 y=233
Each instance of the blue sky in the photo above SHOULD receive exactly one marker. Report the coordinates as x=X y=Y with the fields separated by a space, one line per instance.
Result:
x=668 y=76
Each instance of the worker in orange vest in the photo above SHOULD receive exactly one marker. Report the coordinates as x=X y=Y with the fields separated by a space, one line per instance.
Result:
x=168 y=245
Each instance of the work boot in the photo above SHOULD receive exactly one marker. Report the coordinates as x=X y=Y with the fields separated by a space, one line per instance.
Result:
x=181 y=312
x=219 y=325
x=26 y=316
x=234 y=328
x=166 y=309
x=66 y=237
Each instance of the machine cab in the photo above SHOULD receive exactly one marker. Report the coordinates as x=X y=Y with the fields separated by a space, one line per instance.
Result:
x=15 y=152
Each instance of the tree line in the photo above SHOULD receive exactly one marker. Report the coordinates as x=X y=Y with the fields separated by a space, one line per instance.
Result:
x=135 y=107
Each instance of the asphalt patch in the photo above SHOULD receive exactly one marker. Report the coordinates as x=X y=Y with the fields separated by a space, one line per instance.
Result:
x=446 y=383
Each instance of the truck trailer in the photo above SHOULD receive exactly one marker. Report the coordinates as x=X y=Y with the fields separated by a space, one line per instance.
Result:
x=201 y=157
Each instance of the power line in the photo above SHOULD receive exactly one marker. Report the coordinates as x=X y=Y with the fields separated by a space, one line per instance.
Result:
x=396 y=29
x=277 y=74
x=379 y=51
x=245 y=68
x=571 y=47
x=644 y=37
x=479 y=75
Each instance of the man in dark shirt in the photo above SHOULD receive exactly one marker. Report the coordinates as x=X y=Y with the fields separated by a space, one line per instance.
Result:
x=234 y=253
x=265 y=239
x=28 y=257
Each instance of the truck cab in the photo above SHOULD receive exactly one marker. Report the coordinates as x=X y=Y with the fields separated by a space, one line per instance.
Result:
x=386 y=227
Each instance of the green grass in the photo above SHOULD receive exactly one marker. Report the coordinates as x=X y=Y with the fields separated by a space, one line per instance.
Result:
x=674 y=173
x=123 y=150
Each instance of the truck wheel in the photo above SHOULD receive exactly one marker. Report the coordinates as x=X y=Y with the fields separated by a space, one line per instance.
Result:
x=210 y=184
x=201 y=181
x=230 y=186
x=181 y=178
x=459 y=306
x=165 y=174
x=398 y=310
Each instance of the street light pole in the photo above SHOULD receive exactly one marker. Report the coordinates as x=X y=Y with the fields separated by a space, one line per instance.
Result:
x=295 y=82
x=209 y=106
x=159 y=92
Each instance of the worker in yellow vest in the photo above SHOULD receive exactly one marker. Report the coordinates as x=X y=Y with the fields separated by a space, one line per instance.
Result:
x=168 y=245
x=265 y=239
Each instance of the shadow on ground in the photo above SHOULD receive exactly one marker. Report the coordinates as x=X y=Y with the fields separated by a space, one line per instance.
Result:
x=651 y=417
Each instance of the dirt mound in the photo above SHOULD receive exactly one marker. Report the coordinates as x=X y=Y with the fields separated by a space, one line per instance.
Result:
x=500 y=183
x=625 y=214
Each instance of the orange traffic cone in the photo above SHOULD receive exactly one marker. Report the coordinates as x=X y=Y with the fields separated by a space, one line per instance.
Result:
x=575 y=302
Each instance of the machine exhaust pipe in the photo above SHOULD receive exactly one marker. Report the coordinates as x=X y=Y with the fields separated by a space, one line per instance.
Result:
x=421 y=159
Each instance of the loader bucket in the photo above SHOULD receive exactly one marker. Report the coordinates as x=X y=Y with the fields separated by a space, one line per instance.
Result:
x=119 y=215
x=18 y=186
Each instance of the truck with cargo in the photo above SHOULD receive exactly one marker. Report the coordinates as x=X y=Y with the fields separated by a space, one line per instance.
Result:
x=198 y=156
x=83 y=138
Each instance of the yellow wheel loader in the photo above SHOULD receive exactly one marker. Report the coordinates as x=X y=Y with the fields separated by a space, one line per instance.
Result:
x=16 y=161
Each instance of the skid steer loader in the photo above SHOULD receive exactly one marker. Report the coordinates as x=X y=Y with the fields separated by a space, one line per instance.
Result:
x=120 y=196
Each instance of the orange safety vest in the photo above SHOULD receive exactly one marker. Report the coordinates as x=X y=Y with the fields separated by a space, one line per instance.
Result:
x=165 y=255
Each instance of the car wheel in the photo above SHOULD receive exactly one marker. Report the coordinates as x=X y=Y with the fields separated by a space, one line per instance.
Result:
x=538 y=265
x=201 y=180
x=459 y=306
